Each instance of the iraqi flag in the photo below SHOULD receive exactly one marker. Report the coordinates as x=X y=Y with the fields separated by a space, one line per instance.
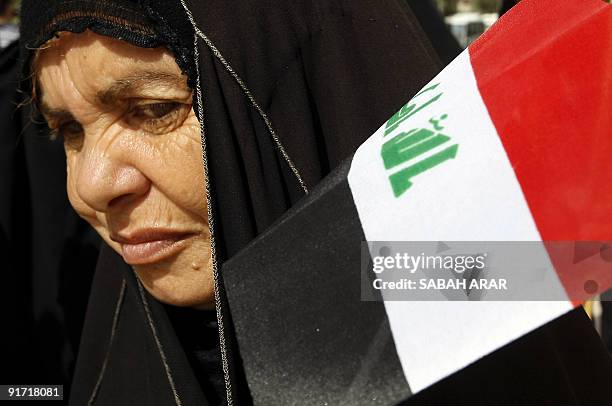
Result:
x=511 y=142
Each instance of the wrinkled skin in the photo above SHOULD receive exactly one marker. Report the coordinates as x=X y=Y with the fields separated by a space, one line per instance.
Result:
x=134 y=157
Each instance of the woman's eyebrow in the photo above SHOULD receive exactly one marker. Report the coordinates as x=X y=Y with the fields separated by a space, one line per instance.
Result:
x=128 y=85
x=137 y=83
x=55 y=115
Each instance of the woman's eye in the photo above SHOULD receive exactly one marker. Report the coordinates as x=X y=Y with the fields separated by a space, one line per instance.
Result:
x=155 y=110
x=158 y=118
x=71 y=132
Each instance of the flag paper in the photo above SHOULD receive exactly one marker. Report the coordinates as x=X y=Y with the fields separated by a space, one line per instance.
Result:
x=510 y=142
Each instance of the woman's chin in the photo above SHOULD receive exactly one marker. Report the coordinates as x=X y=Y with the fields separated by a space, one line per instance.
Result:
x=183 y=288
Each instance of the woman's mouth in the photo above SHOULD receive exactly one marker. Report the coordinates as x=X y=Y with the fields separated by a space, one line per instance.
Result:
x=144 y=247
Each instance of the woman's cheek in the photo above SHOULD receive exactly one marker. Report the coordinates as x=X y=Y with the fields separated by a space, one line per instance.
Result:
x=183 y=169
x=82 y=209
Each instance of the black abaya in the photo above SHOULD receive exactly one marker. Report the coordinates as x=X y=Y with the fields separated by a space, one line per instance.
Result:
x=326 y=73
x=438 y=33
x=48 y=253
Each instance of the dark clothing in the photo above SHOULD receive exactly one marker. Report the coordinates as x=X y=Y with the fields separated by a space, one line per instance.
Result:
x=606 y=319
x=324 y=342
x=507 y=5
x=48 y=252
x=561 y=363
x=309 y=67
x=197 y=333
x=432 y=22
x=289 y=90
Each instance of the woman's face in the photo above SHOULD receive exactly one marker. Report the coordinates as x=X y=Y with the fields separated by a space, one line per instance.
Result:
x=134 y=158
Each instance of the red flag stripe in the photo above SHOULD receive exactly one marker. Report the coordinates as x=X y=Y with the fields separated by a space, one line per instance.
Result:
x=548 y=90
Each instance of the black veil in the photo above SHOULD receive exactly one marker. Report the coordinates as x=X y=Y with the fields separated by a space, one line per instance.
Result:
x=284 y=92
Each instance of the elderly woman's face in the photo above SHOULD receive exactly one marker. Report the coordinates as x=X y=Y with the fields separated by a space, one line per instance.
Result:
x=134 y=158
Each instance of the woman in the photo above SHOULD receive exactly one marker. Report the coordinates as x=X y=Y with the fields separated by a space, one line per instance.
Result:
x=190 y=128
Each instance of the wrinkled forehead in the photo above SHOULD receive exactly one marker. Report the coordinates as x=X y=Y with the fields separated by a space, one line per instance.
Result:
x=101 y=67
x=135 y=29
x=107 y=56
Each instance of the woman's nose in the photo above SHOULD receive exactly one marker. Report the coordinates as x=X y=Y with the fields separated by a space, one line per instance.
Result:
x=107 y=179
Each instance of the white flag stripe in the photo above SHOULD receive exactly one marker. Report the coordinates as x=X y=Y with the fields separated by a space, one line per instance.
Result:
x=473 y=197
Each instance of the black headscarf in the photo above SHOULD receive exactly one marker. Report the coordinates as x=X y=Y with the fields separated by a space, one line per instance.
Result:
x=308 y=67
x=284 y=91
x=437 y=31
x=47 y=254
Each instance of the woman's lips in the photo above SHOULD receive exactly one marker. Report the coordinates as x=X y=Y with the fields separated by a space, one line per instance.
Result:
x=150 y=246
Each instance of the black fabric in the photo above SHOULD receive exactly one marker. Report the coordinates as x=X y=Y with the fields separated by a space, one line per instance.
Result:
x=561 y=363
x=146 y=24
x=327 y=73
x=322 y=344
x=314 y=68
x=136 y=353
x=197 y=333
x=507 y=5
x=19 y=352
x=606 y=319
x=437 y=31
x=48 y=253
x=313 y=256
x=311 y=67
